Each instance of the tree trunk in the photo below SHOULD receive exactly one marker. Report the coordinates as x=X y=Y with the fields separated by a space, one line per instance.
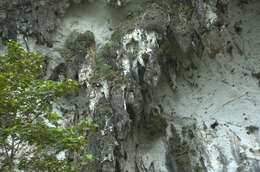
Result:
x=11 y=164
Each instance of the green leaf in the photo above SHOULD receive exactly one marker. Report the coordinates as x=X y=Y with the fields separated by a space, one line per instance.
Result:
x=26 y=113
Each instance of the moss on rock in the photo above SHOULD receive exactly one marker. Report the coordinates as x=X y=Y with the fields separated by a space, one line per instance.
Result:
x=199 y=168
x=180 y=150
x=155 y=125
x=79 y=43
x=105 y=68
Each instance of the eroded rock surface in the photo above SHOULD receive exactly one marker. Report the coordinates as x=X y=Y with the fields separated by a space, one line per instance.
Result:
x=173 y=85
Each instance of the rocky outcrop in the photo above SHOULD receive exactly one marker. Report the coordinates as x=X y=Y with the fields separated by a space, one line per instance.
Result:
x=31 y=18
x=172 y=84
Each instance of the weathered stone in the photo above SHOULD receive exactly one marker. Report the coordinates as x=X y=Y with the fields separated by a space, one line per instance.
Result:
x=171 y=91
x=155 y=19
x=38 y=18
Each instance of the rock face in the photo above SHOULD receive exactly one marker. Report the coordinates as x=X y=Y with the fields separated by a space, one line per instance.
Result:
x=173 y=85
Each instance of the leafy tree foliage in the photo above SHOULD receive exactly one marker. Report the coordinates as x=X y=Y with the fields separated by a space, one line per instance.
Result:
x=31 y=134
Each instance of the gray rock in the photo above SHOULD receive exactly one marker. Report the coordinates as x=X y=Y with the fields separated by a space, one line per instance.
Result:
x=165 y=91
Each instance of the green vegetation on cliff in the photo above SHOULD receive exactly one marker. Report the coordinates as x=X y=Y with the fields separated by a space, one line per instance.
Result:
x=31 y=135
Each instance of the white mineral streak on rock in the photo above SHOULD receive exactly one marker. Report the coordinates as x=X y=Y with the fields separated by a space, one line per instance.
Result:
x=84 y=78
x=94 y=97
x=227 y=147
x=126 y=66
x=85 y=72
x=124 y=92
x=145 y=43
x=105 y=89
x=211 y=16
x=119 y=3
x=219 y=149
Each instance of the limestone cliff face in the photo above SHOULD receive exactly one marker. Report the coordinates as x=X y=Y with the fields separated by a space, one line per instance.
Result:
x=173 y=84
